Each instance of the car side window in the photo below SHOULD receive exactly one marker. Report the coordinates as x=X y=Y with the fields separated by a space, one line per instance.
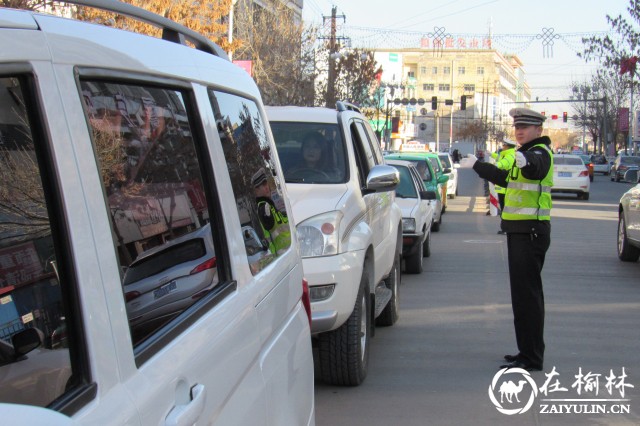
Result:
x=157 y=199
x=374 y=142
x=36 y=351
x=251 y=163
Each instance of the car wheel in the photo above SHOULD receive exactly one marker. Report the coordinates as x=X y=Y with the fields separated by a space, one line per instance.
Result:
x=390 y=313
x=426 y=246
x=617 y=177
x=626 y=252
x=343 y=354
x=584 y=196
x=413 y=263
x=435 y=226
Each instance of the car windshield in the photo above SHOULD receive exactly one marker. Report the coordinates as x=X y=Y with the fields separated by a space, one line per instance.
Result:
x=406 y=188
x=310 y=152
x=444 y=159
x=423 y=169
x=568 y=161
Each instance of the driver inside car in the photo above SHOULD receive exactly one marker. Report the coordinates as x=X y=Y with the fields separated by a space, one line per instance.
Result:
x=314 y=164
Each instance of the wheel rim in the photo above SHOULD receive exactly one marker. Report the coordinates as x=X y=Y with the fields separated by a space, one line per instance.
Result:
x=363 y=326
x=620 y=234
x=396 y=278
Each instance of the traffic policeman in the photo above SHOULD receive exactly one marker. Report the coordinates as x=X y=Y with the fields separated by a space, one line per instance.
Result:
x=526 y=218
x=504 y=161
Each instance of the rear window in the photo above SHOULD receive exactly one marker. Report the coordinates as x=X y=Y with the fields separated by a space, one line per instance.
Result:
x=165 y=259
x=568 y=161
x=630 y=160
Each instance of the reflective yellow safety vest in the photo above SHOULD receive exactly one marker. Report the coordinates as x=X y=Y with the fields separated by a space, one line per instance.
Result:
x=279 y=236
x=505 y=162
x=528 y=199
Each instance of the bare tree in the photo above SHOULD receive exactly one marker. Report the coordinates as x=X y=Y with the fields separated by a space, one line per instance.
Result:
x=280 y=49
x=355 y=80
x=209 y=18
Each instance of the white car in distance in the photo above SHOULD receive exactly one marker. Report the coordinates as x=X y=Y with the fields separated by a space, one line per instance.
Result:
x=417 y=215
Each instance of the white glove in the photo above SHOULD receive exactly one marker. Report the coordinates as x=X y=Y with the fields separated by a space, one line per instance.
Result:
x=521 y=160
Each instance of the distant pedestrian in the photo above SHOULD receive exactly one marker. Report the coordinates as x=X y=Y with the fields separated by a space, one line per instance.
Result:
x=527 y=220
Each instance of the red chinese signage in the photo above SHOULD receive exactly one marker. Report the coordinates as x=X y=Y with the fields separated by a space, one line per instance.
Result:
x=623 y=119
x=455 y=43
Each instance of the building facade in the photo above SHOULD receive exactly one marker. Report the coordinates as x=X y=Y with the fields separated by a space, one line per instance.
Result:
x=418 y=79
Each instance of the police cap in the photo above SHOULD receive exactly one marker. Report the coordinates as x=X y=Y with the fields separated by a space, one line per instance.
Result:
x=526 y=116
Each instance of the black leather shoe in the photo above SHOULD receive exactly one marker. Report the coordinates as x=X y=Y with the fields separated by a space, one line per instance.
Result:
x=520 y=364
x=510 y=358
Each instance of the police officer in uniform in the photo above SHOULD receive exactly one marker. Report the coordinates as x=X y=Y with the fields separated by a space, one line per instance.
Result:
x=504 y=161
x=527 y=221
x=274 y=223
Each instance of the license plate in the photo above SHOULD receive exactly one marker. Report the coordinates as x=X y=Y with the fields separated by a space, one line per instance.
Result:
x=164 y=290
x=564 y=174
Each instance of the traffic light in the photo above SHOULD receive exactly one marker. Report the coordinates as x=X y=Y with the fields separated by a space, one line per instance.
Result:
x=564 y=117
x=463 y=102
x=434 y=102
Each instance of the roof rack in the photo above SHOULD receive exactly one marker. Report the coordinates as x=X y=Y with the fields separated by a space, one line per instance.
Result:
x=346 y=106
x=171 y=31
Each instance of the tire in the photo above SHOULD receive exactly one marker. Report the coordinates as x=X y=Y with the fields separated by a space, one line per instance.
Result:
x=413 y=263
x=390 y=313
x=435 y=226
x=626 y=252
x=585 y=195
x=343 y=354
x=426 y=246
x=617 y=178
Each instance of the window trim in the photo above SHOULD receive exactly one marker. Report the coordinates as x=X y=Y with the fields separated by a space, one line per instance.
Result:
x=226 y=285
x=84 y=389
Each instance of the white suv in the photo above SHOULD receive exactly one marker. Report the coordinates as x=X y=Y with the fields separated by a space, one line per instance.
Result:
x=349 y=230
x=139 y=283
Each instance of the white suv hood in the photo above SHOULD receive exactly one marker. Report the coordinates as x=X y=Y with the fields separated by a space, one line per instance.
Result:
x=309 y=200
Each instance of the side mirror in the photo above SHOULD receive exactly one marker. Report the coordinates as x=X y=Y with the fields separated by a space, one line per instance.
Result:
x=26 y=341
x=443 y=179
x=428 y=195
x=382 y=178
x=447 y=170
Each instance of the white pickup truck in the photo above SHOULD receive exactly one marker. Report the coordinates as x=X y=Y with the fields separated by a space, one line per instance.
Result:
x=349 y=229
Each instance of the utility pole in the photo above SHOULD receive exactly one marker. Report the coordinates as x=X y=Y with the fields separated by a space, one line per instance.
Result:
x=330 y=101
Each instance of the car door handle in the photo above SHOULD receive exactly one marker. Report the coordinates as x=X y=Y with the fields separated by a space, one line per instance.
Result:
x=187 y=414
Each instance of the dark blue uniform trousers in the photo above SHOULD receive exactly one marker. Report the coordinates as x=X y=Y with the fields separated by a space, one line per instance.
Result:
x=526 y=258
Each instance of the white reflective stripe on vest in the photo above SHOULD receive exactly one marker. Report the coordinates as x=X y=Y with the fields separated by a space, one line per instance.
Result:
x=528 y=211
x=529 y=187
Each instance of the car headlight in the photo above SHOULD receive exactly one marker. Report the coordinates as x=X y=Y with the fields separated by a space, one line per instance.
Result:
x=319 y=235
x=408 y=224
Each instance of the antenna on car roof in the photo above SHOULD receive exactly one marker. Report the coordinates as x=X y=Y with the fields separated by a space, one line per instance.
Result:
x=346 y=106
x=171 y=31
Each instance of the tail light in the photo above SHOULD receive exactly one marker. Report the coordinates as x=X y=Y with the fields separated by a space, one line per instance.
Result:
x=306 y=301
x=207 y=264
x=130 y=295
x=584 y=173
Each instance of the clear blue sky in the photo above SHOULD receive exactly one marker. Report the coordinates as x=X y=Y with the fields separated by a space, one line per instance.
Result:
x=511 y=21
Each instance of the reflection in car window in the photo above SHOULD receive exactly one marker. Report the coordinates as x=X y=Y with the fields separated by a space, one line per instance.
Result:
x=252 y=166
x=156 y=200
x=31 y=295
x=423 y=169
